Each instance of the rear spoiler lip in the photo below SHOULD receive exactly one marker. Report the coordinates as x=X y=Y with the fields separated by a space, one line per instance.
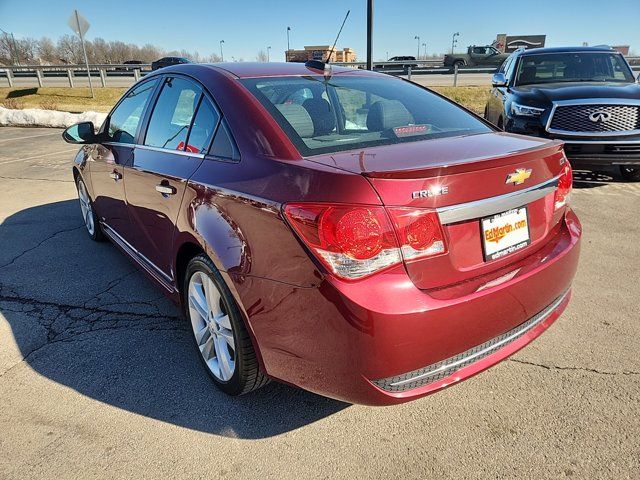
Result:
x=472 y=164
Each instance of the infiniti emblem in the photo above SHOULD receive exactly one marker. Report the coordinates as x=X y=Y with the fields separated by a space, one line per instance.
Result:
x=600 y=117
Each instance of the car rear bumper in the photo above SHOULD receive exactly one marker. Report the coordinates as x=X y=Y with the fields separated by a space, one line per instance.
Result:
x=359 y=341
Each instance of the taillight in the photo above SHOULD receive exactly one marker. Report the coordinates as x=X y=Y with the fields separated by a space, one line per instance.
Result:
x=419 y=232
x=565 y=184
x=354 y=241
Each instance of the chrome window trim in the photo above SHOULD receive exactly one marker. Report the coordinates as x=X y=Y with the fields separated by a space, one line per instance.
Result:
x=156 y=149
x=493 y=205
x=623 y=102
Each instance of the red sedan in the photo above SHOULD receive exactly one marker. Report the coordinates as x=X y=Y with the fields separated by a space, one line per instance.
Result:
x=341 y=230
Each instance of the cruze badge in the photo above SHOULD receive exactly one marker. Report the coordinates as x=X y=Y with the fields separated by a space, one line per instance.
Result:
x=519 y=176
x=432 y=192
x=600 y=117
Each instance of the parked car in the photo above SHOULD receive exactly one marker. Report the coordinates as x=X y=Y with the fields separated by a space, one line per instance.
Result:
x=586 y=96
x=410 y=62
x=476 y=56
x=341 y=230
x=168 y=61
x=131 y=65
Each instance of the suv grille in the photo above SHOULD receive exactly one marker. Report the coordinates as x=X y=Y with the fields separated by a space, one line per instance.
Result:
x=590 y=119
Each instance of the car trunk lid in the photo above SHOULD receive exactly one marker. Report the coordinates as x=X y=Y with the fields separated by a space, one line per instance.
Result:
x=465 y=180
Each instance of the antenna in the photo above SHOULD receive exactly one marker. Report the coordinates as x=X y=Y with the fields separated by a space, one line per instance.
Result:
x=338 y=36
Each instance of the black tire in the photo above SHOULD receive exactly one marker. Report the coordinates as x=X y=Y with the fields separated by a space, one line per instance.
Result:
x=630 y=174
x=247 y=375
x=458 y=63
x=96 y=235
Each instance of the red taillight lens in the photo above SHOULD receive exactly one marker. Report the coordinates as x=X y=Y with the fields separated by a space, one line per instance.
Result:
x=351 y=241
x=565 y=184
x=354 y=241
x=419 y=232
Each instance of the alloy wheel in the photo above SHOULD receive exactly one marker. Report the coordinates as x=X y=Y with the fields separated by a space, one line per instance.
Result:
x=85 y=206
x=211 y=326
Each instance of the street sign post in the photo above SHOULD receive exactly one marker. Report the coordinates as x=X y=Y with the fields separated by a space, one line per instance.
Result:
x=80 y=25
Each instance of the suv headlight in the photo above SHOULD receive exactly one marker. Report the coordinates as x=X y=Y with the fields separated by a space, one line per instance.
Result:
x=525 y=111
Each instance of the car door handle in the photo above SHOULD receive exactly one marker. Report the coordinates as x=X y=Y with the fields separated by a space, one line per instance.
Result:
x=166 y=189
x=116 y=175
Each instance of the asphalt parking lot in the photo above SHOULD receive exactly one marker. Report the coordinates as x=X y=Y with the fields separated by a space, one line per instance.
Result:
x=98 y=378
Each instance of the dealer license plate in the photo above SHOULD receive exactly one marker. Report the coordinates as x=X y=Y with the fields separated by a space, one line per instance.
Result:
x=505 y=233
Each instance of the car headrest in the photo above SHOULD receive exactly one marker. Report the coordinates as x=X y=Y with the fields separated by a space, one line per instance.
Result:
x=323 y=118
x=298 y=117
x=528 y=74
x=386 y=114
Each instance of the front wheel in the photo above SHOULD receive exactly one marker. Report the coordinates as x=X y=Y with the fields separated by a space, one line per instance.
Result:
x=221 y=338
x=630 y=174
x=88 y=213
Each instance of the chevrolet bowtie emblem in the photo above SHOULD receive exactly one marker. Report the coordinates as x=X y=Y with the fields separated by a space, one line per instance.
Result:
x=519 y=176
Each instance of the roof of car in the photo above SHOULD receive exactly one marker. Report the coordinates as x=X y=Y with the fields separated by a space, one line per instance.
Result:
x=274 y=69
x=534 y=51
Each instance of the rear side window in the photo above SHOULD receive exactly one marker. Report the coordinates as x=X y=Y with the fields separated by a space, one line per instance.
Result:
x=203 y=128
x=224 y=146
x=350 y=111
x=124 y=120
x=172 y=114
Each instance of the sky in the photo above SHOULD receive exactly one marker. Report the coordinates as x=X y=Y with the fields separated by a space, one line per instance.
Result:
x=247 y=26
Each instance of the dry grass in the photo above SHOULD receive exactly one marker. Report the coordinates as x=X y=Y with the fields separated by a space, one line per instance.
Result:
x=61 y=98
x=79 y=99
x=473 y=98
x=12 y=103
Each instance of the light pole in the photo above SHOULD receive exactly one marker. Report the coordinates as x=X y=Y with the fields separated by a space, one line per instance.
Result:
x=424 y=46
x=268 y=50
x=221 y=53
x=417 y=38
x=288 y=46
x=454 y=42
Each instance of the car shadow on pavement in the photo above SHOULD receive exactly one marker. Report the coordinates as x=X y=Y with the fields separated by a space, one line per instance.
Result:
x=596 y=178
x=84 y=317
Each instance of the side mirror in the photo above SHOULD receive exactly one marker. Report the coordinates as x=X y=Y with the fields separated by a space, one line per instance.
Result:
x=80 y=133
x=499 y=80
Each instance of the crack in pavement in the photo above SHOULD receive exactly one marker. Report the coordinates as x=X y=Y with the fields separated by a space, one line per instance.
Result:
x=37 y=179
x=71 y=323
x=39 y=245
x=581 y=369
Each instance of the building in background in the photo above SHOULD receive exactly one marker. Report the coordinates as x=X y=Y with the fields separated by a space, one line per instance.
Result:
x=511 y=43
x=623 y=49
x=321 y=53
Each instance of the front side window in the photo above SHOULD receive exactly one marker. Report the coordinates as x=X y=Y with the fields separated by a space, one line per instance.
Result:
x=172 y=114
x=124 y=120
x=349 y=111
x=573 y=67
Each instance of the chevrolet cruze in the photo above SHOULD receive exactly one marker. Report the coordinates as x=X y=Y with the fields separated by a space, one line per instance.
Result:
x=337 y=229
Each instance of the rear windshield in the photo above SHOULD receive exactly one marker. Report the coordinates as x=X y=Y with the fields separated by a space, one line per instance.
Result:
x=573 y=67
x=348 y=112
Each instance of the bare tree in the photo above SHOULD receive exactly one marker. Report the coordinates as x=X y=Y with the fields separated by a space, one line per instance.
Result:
x=47 y=52
x=69 y=49
x=262 y=56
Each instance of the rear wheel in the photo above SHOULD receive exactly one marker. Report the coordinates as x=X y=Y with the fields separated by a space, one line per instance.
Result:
x=221 y=338
x=88 y=213
x=458 y=64
x=630 y=174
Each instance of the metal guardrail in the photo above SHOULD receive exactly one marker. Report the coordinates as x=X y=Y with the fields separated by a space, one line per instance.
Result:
x=104 y=71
